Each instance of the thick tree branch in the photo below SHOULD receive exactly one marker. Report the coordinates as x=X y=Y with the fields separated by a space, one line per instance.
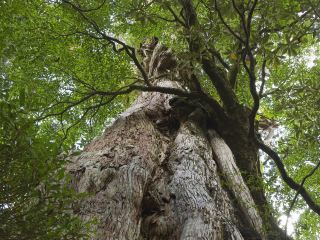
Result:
x=272 y=154
x=233 y=73
x=288 y=180
x=220 y=82
x=298 y=192
x=250 y=15
x=190 y=14
x=263 y=77
x=132 y=87
x=217 y=55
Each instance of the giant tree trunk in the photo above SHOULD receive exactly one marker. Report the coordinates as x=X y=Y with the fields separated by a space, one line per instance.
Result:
x=160 y=172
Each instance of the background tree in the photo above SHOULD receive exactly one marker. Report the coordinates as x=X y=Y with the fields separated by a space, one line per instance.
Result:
x=234 y=68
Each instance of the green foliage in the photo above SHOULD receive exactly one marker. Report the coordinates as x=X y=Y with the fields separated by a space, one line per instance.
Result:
x=52 y=59
x=308 y=226
x=35 y=202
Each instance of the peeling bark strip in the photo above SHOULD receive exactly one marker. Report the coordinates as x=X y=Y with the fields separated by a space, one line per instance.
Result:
x=235 y=182
x=201 y=207
x=155 y=173
x=148 y=186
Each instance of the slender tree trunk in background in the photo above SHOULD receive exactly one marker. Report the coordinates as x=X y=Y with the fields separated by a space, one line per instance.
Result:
x=159 y=172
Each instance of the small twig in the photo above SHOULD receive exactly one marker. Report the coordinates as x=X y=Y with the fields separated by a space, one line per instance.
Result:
x=225 y=24
x=94 y=9
x=65 y=132
x=176 y=18
x=75 y=78
x=73 y=104
x=131 y=52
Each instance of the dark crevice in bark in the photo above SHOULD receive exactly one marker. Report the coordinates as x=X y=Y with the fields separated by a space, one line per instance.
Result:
x=154 y=171
x=233 y=129
x=167 y=124
x=200 y=120
x=156 y=222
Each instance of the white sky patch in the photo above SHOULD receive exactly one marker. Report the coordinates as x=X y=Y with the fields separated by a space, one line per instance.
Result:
x=292 y=220
x=310 y=57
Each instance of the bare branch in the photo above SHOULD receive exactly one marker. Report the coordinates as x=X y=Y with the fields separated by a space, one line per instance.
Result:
x=250 y=15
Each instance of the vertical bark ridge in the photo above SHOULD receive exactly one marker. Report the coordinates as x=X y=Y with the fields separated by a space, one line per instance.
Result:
x=117 y=166
x=116 y=169
x=235 y=182
x=151 y=178
x=203 y=207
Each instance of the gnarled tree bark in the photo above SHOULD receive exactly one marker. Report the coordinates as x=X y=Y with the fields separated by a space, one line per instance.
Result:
x=163 y=171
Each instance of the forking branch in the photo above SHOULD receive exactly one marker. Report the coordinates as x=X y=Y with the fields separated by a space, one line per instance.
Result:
x=256 y=97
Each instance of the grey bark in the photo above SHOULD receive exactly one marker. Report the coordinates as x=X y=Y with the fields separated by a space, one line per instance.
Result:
x=157 y=173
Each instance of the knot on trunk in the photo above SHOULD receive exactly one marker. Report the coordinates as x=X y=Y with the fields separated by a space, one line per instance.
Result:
x=160 y=62
x=157 y=58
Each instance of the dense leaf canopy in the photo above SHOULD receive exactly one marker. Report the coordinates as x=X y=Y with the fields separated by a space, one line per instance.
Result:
x=67 y=68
